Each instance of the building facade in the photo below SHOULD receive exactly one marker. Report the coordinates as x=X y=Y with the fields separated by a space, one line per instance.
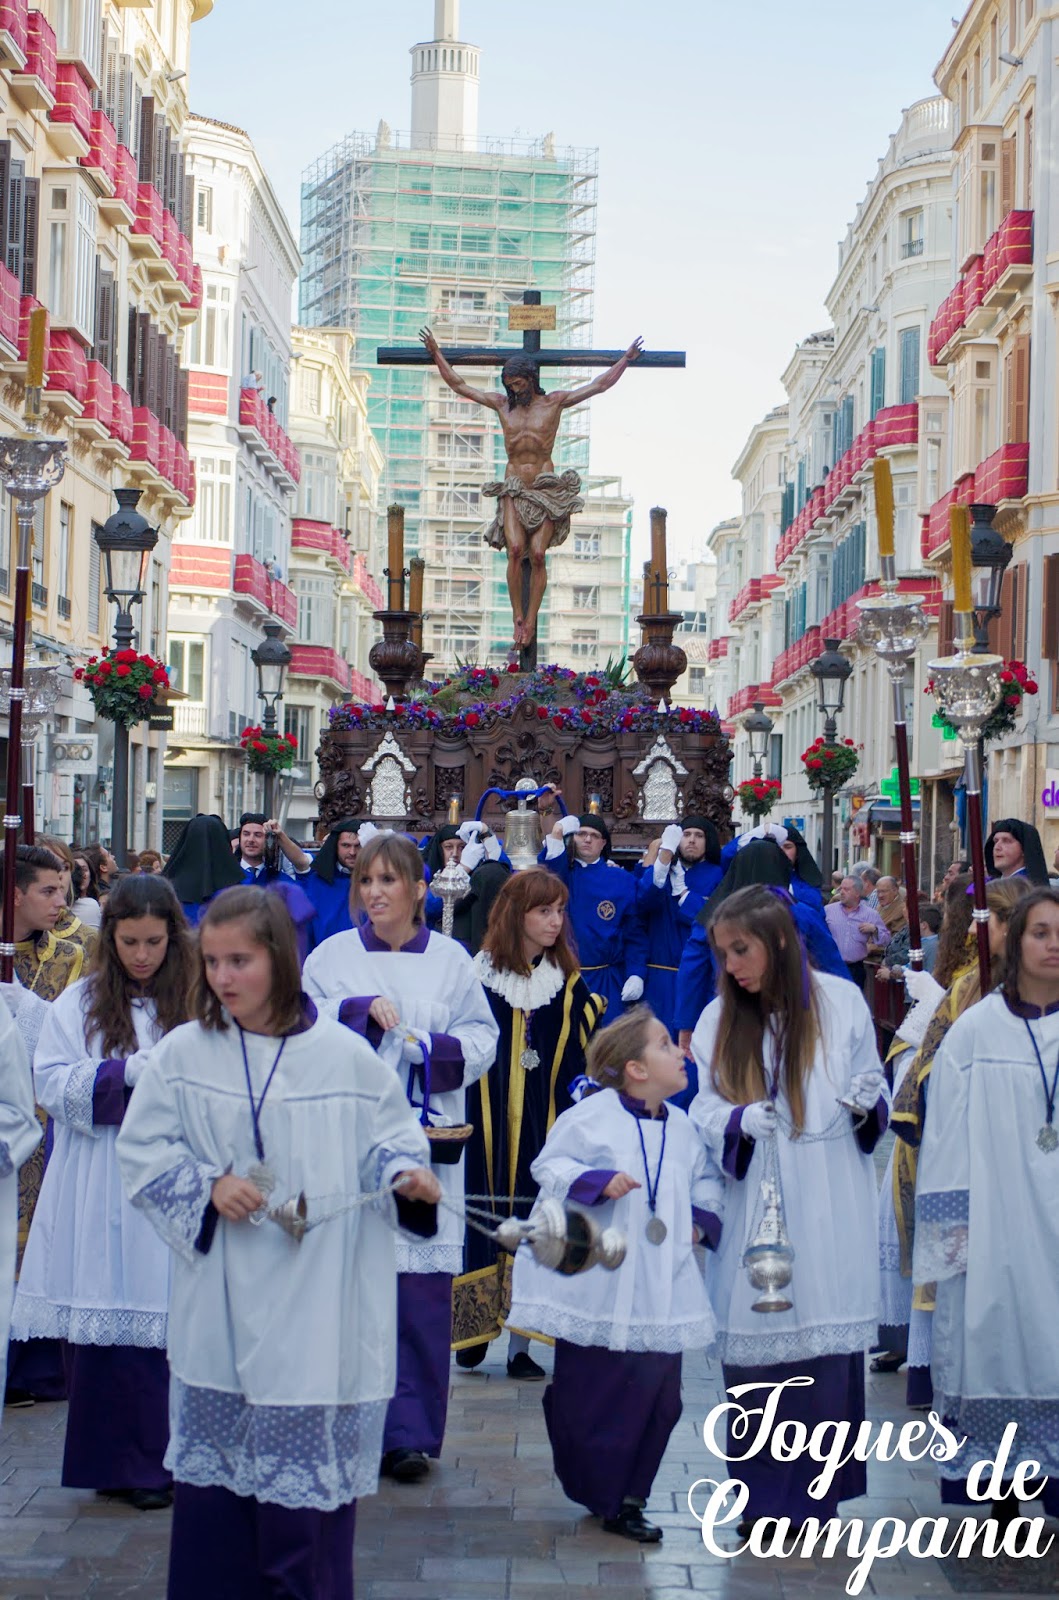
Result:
x=95 y=225
x=993 y=346
x=332 y=552
x=442 y=226
x=230 y=568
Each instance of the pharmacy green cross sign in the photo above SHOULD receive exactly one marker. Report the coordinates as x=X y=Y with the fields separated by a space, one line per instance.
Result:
x=890 y=791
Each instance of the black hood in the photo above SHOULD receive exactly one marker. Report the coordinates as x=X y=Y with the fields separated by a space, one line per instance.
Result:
x=805 y=866
x=1035 y=867
x=762 y=862
x=713 y=838
x=434 y=856
x=325 y=863
x=202 y=862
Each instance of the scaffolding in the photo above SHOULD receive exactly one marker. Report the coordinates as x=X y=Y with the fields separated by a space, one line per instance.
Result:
x=395 y=235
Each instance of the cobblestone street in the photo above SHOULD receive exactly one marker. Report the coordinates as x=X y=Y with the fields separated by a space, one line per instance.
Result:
x=489 y=1524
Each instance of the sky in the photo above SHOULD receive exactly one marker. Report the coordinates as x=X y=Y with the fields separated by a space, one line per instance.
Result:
x=735 y=141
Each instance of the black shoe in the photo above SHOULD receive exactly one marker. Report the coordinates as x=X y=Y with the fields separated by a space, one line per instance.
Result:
x=151 y=1499
x=406 y=1466
x=18 y=1399
x=473 y=1356
x=523 y=1366
x=746 y=1527
x=632 y=1524
x=1005 y=1511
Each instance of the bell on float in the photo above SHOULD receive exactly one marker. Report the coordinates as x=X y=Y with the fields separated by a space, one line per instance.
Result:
x=564 y=1239
x=522 y=838
x=769 y=1256
x=293 y=1217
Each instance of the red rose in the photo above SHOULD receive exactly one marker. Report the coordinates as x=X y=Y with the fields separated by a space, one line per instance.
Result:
x=592 y=681
x=92 y=660
x=542 y=712
x=146 y=692
x=159 y=675
x=292 y=740
x=123 y=672
x=103 y=669
x=494 y=680
x=1031 y=687
x=512 y=666
x=472 y=719
x=126 y=656
x=815 y=762
x=586 y=716
x=1012 y=699
x=259 y=744
x=79 y=674
x=149 y=660
x=685 y=714
x=849 y=742
x=558 y=721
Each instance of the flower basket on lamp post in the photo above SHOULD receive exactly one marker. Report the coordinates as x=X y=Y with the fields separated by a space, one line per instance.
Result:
x=828 y=764
x=125 y=686
x=757 y=796
x=268 y=752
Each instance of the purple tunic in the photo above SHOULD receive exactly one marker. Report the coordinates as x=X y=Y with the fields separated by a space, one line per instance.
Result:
x=226 y=1544
x=117 y=1427
x=415 y=1419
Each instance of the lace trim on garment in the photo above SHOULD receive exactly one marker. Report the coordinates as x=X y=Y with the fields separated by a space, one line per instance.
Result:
x=78 y=1096
x=6 y=1164
x=889 y=1255
x=316 y=1457
x=429 y=1257
x=520 y=992
x=895 y=1300
x=983 y=1422
x=661 y=1337
x=34 y=1317
x=941 y=1236
x=29 y=1012
x=769 y=1349
x=176 y=1203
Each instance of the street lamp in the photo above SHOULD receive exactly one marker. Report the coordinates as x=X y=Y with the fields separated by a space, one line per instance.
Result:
x=271 y=658
x=125 y=541
x=990 y=554
x=831 y=671
x=758 y=727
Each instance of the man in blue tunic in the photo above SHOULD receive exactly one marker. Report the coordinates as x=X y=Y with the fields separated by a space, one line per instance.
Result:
x=608 y=930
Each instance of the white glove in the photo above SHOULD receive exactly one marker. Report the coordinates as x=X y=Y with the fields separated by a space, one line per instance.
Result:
x=678 y=881
x=412 y=1043
x=569 y=825
x=764 y=830
x=134 y=1066
x=922 y=986
x=469 y=831
x=632 y=990
x=491 y=845
x=865 y=1089
x=366 y=832
x=671 y=837
x=473 y=855
x=758 y=1120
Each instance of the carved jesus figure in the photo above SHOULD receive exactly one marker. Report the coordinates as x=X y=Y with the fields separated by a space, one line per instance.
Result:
x=535 y=503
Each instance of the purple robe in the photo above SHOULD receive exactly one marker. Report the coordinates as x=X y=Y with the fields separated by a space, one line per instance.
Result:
x=227 y=1544
x=415 y=1419
x=117 y=1427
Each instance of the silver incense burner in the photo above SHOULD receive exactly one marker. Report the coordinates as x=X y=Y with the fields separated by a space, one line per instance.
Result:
x=769 y=1257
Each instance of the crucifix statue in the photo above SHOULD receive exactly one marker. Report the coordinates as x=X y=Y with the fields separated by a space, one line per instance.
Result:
x=535 y=502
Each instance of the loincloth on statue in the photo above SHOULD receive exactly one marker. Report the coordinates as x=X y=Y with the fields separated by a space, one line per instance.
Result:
x=551 y=495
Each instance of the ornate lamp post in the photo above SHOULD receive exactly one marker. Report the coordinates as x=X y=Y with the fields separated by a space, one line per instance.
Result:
x=758 y=727
x=831 y=671
x=990 y=555
x=893 y=624
x=125 y=541
x=271 y=658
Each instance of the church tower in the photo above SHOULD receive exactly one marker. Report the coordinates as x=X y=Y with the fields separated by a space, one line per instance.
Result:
x=445 y=85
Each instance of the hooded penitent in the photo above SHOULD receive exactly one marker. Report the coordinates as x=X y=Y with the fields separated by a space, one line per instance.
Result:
x=434 y=858
x=326 y=863
x=1034 y=865
x=713 y=838
x=761 y=862
x=202 y=862
x=592 y=819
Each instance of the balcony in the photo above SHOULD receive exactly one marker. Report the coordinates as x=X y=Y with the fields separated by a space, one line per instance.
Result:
x=253 y=581
x=14 y=17
x=264 y=435
x=100 y=161
x=10 y=310
x=34 y=86
x=892 y=428
x=189 y=720
x=717 y=649
x=64 y=608
x=362 y=688
x=797 y=656
x=1004 y=475
x=146 y=234
x=322 y=662
x=745 y=698
x=39 y=595
x=990 y=281
x=364 y=581
x=753 y=593
x=320 y=537
x=71 y=115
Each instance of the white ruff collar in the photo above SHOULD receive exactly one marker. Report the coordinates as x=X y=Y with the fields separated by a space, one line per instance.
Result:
x=521 y=993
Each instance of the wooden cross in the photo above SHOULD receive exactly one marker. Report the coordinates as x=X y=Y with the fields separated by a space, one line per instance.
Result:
x=531 y=317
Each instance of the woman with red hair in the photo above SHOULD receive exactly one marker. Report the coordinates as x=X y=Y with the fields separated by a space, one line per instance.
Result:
x=546 y=1016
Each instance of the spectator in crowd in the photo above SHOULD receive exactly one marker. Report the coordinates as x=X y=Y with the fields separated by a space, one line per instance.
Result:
x=853 y=923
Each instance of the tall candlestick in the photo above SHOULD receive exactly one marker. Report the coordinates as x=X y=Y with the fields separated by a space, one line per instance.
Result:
x=395 y=551
x=416 y=568
x=660 y=586
x=884 y=504
x=648 y=597
x=38 y=338
x=960 y=544
x=659 y=559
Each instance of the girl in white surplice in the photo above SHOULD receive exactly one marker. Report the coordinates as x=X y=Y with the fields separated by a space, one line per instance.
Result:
x=776 y=1051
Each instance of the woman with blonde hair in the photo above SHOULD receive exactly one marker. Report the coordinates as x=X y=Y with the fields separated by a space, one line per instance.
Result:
x=546 y=1015
x=415 y=996
x=792 y=1100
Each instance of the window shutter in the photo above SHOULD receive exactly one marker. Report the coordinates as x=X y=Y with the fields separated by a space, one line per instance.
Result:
x=1020 y=387
x=878 y=380
x=104 y=349
x=30 y=234
x=1021 y=596
x=181 y=427
x=187 y=224
x=1005 y=623
x=5 y=180
x=146 y=162
x=1050 y=614
x=1007 y=177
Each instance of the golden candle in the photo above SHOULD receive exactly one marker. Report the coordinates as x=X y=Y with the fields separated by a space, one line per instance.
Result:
x=960 y=544
x=415 y=585
x=659 y=559
x=884 y=504
x=395 y=556
x=38 y=337
x=454 y=812
x=647 y=588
